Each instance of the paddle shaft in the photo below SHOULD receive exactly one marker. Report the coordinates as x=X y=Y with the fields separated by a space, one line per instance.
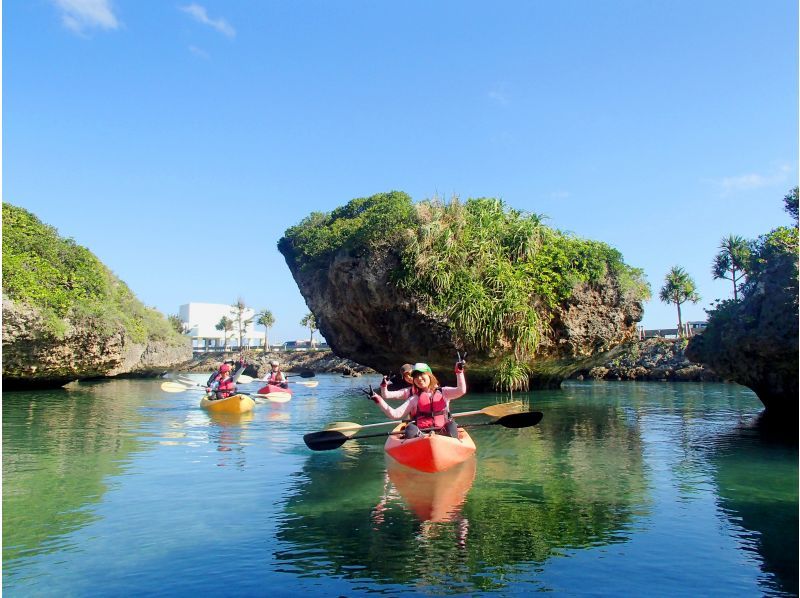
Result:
x=395 y=422
x=332 y=439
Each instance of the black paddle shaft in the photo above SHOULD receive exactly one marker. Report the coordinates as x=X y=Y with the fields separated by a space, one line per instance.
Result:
x=327 y=440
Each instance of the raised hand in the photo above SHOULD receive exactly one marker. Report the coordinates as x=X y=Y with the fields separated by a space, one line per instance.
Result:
x=461 y=363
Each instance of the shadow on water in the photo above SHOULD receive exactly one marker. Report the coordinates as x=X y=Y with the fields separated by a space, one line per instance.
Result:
x=576 y=480
x=756 y=472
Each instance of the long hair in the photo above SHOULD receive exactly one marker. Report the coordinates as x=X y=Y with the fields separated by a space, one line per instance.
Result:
x=432 y=385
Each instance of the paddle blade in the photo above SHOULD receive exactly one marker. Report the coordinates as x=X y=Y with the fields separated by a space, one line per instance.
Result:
x=346 y=428
x=275 y=397
x=520 y=420
x=326 y=440
x=307 y=374
x=502 y=409
x=244 y=379
x=313 y=384
x=173 y=387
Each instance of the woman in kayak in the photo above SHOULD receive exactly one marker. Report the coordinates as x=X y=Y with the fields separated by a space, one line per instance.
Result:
x=276 y=377
x=426 y=402
x=221 y=384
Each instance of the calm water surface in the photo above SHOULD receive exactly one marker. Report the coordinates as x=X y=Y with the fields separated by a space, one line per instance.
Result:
x=116 y=488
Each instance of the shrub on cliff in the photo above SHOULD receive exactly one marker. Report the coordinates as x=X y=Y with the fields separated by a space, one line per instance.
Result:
x=66 y=282
x=496 y=274
x=754 y=340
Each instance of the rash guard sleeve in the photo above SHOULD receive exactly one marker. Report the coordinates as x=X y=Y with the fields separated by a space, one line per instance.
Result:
x=455 y=392
x=407 y=408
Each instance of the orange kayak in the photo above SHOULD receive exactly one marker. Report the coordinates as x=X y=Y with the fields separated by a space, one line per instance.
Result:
x=430 y=452
x=233 y=404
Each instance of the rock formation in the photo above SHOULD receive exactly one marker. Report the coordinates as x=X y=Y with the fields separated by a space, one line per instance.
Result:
x=365 y=317
x=33 y=358
x=755 y=342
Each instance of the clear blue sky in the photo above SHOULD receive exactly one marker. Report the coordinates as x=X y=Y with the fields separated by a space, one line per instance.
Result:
x=178 y=140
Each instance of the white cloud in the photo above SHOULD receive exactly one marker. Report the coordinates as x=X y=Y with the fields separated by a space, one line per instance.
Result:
x=198 y=52
x=499 y=95
x=200 y=15
x=753 y=180
x=79 y=15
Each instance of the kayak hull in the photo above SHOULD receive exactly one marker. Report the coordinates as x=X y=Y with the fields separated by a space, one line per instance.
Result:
x=233 y=404
x=270 y=388
x=430 y=453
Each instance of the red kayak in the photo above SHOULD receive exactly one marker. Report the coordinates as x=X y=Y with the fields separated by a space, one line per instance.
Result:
x=429 y=452
x=273 y=388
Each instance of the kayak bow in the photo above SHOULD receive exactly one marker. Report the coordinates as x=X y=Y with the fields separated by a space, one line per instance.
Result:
x=429 y=452
x=232 y=404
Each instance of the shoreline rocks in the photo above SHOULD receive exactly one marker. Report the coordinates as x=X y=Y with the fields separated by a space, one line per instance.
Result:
x=654 y=359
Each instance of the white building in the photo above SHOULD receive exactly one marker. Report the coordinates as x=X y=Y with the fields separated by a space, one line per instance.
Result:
x=200 y=321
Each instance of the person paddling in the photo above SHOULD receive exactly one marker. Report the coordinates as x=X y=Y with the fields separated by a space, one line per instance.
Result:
x=221 y=384
x=426 y=402
x=276 y=377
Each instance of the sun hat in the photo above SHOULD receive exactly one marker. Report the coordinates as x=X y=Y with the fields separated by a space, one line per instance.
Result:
x=273 y=362
x=406 y=368
x=421 y=368
x=224 y=368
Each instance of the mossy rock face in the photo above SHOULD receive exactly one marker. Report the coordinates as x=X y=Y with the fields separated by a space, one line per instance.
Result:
x=755 y=341
x=67 y=317
x=392 y=282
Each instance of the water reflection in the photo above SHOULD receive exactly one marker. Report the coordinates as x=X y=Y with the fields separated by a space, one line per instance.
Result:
x=58 y=448
x=227 y=431
x=577 y=480
x=757 y=478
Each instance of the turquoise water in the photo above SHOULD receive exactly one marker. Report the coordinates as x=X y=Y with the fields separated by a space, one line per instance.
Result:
x=116 y=488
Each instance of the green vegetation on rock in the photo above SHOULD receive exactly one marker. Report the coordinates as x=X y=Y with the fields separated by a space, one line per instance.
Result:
x=496 y=274
x=66 y=283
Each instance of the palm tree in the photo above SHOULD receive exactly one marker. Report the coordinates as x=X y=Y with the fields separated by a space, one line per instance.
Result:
x=238 y=318
x=225 y=324
x=267 y=320
x=733 y=257
x=310 y=322
x=678 y=289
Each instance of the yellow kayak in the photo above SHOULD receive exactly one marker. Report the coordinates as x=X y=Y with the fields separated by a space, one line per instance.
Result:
x=233 y=404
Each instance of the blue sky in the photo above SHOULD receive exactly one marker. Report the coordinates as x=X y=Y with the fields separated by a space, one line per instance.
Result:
x=178 y=140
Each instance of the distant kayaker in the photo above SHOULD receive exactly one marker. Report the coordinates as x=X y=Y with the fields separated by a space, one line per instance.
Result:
x=276 y=377
x=426 y=403
x=221 y=384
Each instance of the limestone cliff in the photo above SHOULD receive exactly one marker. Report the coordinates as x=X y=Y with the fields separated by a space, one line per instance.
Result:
x=755 y=341
x=34 y=358
x=67 y=317
x=368 y=315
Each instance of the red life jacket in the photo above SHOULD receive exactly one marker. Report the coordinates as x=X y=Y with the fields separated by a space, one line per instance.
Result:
x=431 y=412
x=273 y=377
x=226 y=387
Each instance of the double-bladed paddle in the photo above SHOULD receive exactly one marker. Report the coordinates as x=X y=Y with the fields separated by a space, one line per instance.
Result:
x=498 y=410
x=332 y=439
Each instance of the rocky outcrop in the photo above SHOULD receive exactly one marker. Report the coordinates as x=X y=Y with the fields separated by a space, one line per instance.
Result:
x=755 y=341
x=366 y=318
x=291 y=361
x=658 y=359
x=33 y=358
